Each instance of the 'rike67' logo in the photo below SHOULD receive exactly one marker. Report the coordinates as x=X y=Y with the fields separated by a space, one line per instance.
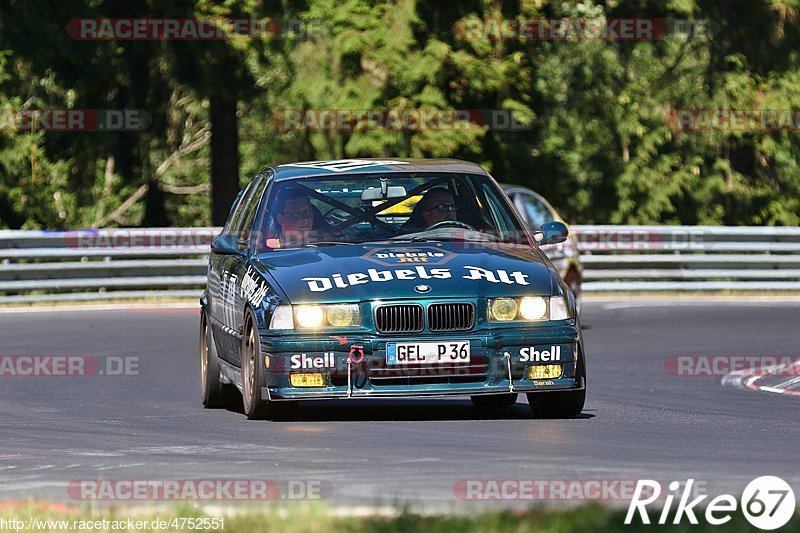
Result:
x=768 y=503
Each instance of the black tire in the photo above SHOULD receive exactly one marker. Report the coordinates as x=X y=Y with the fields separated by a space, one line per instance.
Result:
x=214 y=393
x=563 y=404
x=492 y=401
x=256 y=407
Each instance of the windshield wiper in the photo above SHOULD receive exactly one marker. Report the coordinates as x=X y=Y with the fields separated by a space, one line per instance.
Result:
x=451 y=238
x=325 y=243
x=413 y=239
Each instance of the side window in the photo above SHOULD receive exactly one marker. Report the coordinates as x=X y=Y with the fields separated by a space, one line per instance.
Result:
x=238 y=208
x=534 y=211
x=492 y=208
x=245 y=223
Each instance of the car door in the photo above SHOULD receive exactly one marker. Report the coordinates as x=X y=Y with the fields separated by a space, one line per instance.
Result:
x=227 y=271
x=237 y=268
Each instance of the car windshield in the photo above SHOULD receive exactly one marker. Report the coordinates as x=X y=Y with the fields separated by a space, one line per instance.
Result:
x=361 y=208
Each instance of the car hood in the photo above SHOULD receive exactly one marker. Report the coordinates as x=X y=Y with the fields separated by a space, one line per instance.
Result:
x=349 y=273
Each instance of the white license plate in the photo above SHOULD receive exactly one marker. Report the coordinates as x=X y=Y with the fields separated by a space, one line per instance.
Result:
x=422 y=353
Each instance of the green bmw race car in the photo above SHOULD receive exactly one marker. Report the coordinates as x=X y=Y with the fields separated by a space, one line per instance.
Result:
x=369 y=278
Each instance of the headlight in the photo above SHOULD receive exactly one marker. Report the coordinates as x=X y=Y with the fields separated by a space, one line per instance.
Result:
x=503 y=309
x=309 y=316
x=316 y=316
x=528 y=308
x=558 y=308
x=282 y=318
x=340 y=316
x=533 y=308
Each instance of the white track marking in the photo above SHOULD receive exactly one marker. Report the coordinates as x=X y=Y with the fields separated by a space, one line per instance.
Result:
x=748 y=379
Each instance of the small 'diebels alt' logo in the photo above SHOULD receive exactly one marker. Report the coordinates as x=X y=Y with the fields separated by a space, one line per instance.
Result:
x=768 y=503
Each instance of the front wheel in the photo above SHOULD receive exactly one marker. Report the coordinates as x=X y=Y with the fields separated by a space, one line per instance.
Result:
x=491 y=401
x=213 y=392
x=256 y=407
x=561 y=404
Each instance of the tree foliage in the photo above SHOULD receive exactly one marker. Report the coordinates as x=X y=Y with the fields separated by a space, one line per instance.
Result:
x=597 y=139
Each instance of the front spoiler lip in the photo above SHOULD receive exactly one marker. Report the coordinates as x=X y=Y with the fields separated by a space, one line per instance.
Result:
x=360 y=395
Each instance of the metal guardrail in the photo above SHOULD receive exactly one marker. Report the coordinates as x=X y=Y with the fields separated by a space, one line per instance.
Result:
x=41 y=266
x=689 y=258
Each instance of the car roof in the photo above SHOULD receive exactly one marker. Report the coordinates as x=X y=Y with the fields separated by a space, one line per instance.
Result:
x=511 y=189
x=339 y=167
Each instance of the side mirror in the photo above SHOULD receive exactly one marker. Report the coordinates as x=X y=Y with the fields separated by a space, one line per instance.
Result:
x=228 y=244
x=553 y=233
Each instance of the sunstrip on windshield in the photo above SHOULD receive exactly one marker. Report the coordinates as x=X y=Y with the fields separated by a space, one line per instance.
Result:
x=344 y=165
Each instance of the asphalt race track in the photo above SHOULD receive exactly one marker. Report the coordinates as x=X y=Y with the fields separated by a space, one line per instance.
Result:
x=639 y=421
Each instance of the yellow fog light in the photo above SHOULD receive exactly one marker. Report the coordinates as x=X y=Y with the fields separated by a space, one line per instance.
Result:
x=307 y=380
x=342 y=315
x=533 y=308
x=504 y=309
x=309 y=316
x=544 y=372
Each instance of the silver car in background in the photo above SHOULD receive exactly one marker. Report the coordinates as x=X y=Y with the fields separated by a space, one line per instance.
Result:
x=565 y=256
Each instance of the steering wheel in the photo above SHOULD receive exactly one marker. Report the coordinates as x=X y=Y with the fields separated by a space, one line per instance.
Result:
x=453 y=223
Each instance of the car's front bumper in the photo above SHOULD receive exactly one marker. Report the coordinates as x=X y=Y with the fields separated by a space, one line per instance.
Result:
x=496 y=365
